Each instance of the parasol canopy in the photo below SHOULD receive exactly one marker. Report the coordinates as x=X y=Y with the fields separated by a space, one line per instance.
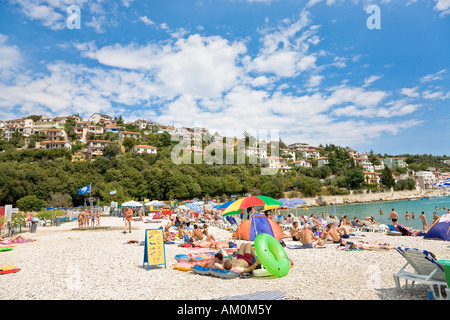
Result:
x=237 y=206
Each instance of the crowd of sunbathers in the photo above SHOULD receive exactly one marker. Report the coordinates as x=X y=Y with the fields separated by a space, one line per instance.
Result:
x=312 y=233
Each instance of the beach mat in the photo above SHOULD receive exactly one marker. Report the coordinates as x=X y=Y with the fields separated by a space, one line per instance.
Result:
x=260 y=295
x=299 y=246
x=10 y=271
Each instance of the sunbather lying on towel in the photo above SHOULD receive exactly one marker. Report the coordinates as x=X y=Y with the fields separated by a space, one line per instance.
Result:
x=244 y=260
x=15 y=239
x=350 y=245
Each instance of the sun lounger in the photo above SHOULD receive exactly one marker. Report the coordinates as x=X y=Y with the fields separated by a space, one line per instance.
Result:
x=426 y=270
x=369 y=227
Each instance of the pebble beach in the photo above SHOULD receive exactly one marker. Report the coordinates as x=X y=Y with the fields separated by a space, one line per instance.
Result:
x=66 y=263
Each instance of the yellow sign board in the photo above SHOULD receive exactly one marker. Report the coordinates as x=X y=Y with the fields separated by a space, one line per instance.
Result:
x=154 y=252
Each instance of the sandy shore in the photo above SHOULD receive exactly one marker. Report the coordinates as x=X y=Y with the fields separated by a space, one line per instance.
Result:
x=67 y=264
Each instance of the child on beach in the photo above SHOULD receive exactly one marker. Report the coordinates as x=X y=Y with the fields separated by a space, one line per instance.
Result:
x=128 y=215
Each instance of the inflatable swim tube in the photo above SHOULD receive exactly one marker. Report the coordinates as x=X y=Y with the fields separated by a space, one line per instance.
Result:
x=183 y=266
x=261 y=273
x=200 y=270
x=272 y=255
x=182 y=258
x=224 y=274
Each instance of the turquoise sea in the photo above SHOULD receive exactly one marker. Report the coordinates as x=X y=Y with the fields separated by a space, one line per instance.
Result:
x=373 y=209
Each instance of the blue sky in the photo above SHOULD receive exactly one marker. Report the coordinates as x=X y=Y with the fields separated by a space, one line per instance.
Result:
x=311 y=69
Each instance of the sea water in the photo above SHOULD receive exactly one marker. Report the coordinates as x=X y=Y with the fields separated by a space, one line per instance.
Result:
x=361 y=211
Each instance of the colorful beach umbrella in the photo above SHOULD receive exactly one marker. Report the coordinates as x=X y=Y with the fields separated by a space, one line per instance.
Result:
x=225 y=205
x=237 y=206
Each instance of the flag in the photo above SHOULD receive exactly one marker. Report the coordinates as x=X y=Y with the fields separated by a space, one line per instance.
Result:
x=84 y=190
x=113 y=192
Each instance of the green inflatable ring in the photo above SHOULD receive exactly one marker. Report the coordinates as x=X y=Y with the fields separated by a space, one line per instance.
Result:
x=272 y=255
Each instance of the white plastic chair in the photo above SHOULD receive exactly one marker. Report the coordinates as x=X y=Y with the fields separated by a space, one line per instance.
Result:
x=426 y=270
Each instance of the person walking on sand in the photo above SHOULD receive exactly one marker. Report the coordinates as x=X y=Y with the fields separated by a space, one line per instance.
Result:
x=393 y=216
x=424 y=221
x=128 y=214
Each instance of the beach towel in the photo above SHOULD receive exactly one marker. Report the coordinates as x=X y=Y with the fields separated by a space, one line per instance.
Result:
x=260 y=295
x=300 y=246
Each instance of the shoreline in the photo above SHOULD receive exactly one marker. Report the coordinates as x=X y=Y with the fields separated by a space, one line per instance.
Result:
x=323 y=201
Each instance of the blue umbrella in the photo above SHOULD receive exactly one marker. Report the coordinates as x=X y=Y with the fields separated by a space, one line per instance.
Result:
x=195 y=207
x=296 y=201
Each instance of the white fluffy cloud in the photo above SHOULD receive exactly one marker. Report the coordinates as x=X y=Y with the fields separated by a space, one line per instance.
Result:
x=10 y=55
x=200 y=66
x=209 y=79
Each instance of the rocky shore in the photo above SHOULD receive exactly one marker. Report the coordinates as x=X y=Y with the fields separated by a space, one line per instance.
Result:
x=369 y=197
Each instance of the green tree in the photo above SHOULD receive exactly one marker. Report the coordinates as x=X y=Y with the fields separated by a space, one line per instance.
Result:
x=129 y=143
x=111 y=150
x=386 y=178
x=354 y=178
x=30 y=203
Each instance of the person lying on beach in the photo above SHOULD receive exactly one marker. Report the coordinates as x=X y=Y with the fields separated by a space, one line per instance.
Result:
x=308 y=239
x=349 y=245
x=15 y=239
x=217 y=262
x=244 y=260
x=213 y=244
x=357 y=223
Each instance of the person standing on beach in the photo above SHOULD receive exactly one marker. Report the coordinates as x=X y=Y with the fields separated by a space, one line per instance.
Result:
x=393 y=216
x=435 y=217
x=424 y=221
x=127 y=218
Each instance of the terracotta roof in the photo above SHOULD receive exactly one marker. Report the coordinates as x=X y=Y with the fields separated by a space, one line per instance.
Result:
x=144 y=146
x=105 y=141
x=48 y=142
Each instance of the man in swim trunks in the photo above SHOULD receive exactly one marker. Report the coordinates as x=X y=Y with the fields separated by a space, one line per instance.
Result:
x=308 y=239
x=331 y=234
x=244 y=260
x=295 y=231
x=393 y=216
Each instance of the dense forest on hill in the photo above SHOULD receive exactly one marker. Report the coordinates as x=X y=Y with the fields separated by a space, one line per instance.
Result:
x=38 y=178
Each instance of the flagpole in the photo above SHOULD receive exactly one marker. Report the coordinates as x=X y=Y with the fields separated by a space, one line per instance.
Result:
x=90 y=196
